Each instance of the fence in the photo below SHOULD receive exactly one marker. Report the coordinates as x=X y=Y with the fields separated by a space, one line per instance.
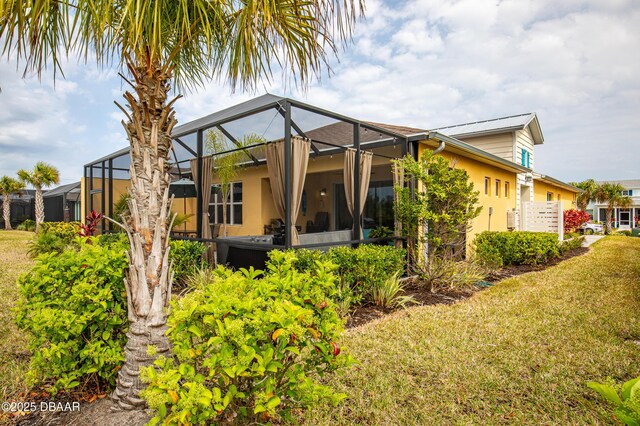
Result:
x=543 y=217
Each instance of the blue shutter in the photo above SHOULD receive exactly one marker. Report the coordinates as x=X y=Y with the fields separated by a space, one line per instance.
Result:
x=523 y=158
x=528 y=159
x=630 y=193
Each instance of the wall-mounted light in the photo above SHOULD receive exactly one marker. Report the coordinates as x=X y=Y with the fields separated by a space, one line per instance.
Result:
x=323 y=192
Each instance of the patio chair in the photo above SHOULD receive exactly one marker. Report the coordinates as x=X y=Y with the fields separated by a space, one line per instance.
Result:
x=319 y=224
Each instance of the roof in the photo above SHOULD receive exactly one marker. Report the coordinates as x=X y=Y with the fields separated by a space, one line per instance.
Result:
x=63 y=189
x=407 y=131
x=496 y=125
x=556 y=182
x=627 y=183
x=27 y=194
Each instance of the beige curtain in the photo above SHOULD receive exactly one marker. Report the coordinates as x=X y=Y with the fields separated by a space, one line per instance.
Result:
x=207 y=178
x=276 y=165
x=398 y=180
x=366 y=159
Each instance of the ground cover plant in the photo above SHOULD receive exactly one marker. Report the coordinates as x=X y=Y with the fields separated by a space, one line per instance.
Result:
x=520 y=352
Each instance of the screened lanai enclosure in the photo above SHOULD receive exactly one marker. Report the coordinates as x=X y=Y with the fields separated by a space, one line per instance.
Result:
x=307 y=177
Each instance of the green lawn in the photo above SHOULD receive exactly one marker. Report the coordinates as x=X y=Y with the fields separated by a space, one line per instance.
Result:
x=14 y=358
x=518 y=353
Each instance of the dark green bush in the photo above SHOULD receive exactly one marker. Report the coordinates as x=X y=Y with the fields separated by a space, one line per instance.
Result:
x=67 y=231
x=27 y=225
x=249 y=349
x=73 y=305
x=44 y=243
x=113 y=239
x=516 y=248
x=367 y=266
x=187 y=258
x=572 y=244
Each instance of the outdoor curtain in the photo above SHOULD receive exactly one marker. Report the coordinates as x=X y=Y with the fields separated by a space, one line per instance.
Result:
x=276 y=166
x=205 y=189
x=366 y=159
x=398 y=181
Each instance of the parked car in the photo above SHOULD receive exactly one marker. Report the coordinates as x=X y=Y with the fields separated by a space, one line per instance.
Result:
x=590 y=228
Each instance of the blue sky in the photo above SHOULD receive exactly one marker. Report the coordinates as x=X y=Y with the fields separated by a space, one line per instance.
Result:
x=422 y=63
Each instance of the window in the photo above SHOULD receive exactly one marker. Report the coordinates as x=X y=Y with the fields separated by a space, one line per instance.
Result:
x=628 y=192
x=506 y=190
x=487 y=184
x=497 y=187
x=525 y=158
x=234 y=205
x=549 y=196
x=378 y=206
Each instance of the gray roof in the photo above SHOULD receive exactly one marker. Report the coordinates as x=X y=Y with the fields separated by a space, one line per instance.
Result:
x=496 y=125
x=265 y=101
x=62 y=189
x=627 y=183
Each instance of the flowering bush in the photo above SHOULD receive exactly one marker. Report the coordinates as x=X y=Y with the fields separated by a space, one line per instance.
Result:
x=573 y=219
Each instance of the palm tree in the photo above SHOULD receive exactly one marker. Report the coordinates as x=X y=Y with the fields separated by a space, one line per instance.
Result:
x=43 y=175
x=587 y=195
x=611 y=194
x=163 y=44
x=8 y=186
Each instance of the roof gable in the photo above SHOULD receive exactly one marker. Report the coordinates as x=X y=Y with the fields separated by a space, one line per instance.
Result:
x=497 y=125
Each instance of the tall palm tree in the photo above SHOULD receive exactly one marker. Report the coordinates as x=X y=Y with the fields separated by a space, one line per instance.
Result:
x=8 y=186
x=43 y=175
x=587 y=195
x=611 y=194
x=162 y=44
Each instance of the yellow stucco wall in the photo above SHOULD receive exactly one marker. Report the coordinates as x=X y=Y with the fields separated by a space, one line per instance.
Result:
x=540 y=190
x=501 y=204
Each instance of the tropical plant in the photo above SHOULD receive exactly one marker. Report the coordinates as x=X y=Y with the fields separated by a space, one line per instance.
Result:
x=226 y=164
x=180 y=219
x=627 y=402
x=573 y=219
x=90 y=225
x=42 y=175
x=389 y=293
x=27 y=225
x=163 y=44
x=8 y=186
x=611 y=195
x=121 y=207
x=46 y=242
x=445 y=207
x=587 y=195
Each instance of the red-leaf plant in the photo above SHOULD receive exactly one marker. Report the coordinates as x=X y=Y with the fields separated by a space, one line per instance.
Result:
x=573 y=219
x=88 y=229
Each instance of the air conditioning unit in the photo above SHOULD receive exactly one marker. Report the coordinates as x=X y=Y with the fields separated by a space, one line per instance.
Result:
x=511 y=220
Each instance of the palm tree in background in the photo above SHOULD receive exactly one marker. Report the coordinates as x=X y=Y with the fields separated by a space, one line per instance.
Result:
x=43 y=175
x=8 y=186
x=611 y=195
x=587 y=195
x=159 y=45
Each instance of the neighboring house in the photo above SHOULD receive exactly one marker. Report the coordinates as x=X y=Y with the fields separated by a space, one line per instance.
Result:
x=497 y=154
x=22 y=207
x=62 y=204
x=626 y=218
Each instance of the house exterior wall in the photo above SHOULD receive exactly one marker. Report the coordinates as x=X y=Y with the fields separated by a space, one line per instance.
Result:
x=500 y=205
x=524 y=140
x=541 y=189
x=500 y=145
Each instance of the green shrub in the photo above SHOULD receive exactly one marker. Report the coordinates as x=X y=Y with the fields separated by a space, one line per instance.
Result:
x=73 y=305
x=187 y=258
x=44 y=243
x=114 y=239
x=388 y=294
x=625 y=232
x=249 y=349
x=27 y=225
x=626 y=399
x=67 y=231
x=572 y=244
x=516 y=248
x=367 y=266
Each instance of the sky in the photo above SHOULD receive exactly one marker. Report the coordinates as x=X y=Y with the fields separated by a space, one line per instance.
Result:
x=419 y=63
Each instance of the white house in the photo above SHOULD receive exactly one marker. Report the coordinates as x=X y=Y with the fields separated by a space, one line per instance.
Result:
x=622 y=218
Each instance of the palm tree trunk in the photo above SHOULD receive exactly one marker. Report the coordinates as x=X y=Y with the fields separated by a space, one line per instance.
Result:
x=6 y=211
x=149 y=278
x=607 y=228
x=39 y=208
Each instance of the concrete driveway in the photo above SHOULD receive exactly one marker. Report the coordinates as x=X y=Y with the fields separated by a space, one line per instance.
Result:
x=590 y=239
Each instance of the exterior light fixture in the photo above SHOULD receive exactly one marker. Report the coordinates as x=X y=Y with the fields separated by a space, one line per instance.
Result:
x=323 y=192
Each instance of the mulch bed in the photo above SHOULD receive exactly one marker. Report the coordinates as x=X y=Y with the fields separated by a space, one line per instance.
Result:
x=366 y=313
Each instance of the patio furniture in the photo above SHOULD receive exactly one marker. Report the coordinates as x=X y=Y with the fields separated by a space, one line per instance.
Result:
x=320 y=223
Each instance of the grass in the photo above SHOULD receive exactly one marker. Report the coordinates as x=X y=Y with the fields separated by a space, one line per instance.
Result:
x=518 y=353
x=14 y=356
